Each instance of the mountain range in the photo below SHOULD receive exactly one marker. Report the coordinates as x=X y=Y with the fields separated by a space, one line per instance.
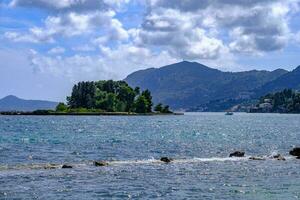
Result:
x=13 y=103
x=193 y=86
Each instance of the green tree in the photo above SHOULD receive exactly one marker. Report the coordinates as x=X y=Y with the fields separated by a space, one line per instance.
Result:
x=110 y=102
x=148 y=97
x=126 y=95
x=166 y=109
x=61 y=107
x=141 y=104
x=158 y=108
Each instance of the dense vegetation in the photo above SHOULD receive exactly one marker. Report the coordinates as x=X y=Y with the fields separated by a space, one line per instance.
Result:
x=109 y=96
x=286 y=101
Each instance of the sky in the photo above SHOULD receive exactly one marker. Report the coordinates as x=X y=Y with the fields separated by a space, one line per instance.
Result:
x=48 y=45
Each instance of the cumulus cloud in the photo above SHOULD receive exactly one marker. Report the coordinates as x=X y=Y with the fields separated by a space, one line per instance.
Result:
x=71 y=18
x=180 y=35
x=70 y=5
x=209 y=28
x=208 y=31
x=113 y=63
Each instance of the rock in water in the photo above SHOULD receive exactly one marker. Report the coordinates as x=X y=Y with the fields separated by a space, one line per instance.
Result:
x=295 y=152
x=66 y=167
x=166 y=159
x=100 y=163
x=279 y=157
x=237 y=154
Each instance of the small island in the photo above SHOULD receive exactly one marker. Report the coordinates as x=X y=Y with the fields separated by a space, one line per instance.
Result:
x=286 y=101
x=104 y=98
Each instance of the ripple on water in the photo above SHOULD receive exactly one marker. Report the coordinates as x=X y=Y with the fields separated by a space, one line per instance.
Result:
x=200 y=144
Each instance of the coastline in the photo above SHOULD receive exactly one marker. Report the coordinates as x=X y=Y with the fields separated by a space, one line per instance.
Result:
x=86 y=114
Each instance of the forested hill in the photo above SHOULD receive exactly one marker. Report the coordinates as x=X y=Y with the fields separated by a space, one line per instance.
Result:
x=289 y=80
x=187 y=85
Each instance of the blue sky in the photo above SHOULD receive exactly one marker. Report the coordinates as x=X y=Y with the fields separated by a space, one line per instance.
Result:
x=47 y=46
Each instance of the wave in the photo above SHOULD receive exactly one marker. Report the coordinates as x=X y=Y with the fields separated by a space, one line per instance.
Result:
x=152 y=161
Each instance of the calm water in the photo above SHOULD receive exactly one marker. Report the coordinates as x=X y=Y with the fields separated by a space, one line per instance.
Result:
x=199 y=143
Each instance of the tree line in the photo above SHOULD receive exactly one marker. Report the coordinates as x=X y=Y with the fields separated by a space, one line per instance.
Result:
x=110 y=96
x=286 y=101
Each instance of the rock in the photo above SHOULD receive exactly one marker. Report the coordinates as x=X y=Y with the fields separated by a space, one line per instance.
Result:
x=100 y=163
x=66 y=167
x=295 y=151
x=166 y=159
x=237 y=154
x=278 y=157
x=298 y=157
x=256 y=158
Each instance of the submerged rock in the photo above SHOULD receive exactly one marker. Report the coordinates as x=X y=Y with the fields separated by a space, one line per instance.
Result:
x=256 y=158
x=50 y=166
x=295 y=152
x=100 y=163
x=66 y=167
x=237 y=154
x=166 y=159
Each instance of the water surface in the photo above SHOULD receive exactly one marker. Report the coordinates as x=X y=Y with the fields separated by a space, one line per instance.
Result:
x=199 y=143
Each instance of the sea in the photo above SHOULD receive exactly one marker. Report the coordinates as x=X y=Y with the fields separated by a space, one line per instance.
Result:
x=34 y=148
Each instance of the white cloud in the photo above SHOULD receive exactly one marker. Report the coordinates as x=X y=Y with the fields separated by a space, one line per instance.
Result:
x=57 y=50
x=70 y=5
x=84 y=48
x=70 y=18
x=112 y=63
x=208 y=29
x=72 y=24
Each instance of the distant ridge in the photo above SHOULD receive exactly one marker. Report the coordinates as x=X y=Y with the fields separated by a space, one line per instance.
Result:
x=13 y=103
x=289 y=80
x=187 y=85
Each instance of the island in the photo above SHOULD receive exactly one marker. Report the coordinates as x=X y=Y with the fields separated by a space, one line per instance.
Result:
x=104 y=98
x=286 y=101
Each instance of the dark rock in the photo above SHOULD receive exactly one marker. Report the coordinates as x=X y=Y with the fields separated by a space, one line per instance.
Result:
x=278 y=157
x=100 y=163
x=66 y=167
x=298 y=157
x=256 y=158
x=295 y=152
x=166 y=159
x=237 y=154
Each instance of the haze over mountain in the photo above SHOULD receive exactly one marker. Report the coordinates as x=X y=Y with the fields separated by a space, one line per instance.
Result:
x=187 y=85
x=13 y=103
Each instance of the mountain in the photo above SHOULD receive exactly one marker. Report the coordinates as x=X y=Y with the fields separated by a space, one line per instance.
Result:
x=187 y=85
x=13 y=103
x=289 y=80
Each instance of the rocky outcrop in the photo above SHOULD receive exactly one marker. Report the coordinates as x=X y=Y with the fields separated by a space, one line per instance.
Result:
x=278 y=157
x=166 y=159
x=66 y=167
x=295 y=152
x=100 y=163
x=237 y=154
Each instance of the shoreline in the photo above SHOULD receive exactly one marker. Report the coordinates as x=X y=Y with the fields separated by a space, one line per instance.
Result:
x=86 y=114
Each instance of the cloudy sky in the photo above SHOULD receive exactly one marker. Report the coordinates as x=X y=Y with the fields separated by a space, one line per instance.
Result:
x=47 y=45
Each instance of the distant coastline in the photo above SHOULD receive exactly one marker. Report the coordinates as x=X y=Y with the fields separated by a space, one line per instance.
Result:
x=15 y=113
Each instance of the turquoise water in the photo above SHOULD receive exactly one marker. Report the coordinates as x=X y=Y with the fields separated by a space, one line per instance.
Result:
x=199 y=143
